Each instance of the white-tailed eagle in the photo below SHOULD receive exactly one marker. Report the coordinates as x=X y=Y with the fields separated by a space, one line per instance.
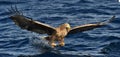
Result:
x=55 y=34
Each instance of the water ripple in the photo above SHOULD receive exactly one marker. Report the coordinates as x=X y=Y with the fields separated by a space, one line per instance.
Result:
x=99 y=42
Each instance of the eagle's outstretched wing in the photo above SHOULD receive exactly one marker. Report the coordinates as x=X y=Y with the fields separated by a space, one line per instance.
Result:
x=28 y=24
x=89 y=26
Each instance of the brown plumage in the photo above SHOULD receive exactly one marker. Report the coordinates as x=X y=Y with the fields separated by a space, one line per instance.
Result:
x=55 y=34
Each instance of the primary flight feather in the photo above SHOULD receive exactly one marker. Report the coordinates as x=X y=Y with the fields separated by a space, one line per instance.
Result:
x=55 y=34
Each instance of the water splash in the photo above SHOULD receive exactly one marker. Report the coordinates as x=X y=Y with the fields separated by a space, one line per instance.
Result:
x=42 y=45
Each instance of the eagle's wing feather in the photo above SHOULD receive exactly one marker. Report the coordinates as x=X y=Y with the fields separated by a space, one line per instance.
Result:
x=28 y=24
x=89 y=26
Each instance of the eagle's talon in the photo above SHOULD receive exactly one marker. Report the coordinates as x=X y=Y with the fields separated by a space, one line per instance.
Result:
x=53 y=45
x=62 y=44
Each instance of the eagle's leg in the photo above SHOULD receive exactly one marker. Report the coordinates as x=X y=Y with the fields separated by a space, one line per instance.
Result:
x=61 y=42
x=52 y=42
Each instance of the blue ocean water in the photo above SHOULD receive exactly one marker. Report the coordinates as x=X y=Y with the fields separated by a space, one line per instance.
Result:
x=100 y=42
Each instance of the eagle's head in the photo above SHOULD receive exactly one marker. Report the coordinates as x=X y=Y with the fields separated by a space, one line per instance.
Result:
x=67 y=26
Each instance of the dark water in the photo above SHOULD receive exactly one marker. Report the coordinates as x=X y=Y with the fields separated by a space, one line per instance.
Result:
x=100 y=42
